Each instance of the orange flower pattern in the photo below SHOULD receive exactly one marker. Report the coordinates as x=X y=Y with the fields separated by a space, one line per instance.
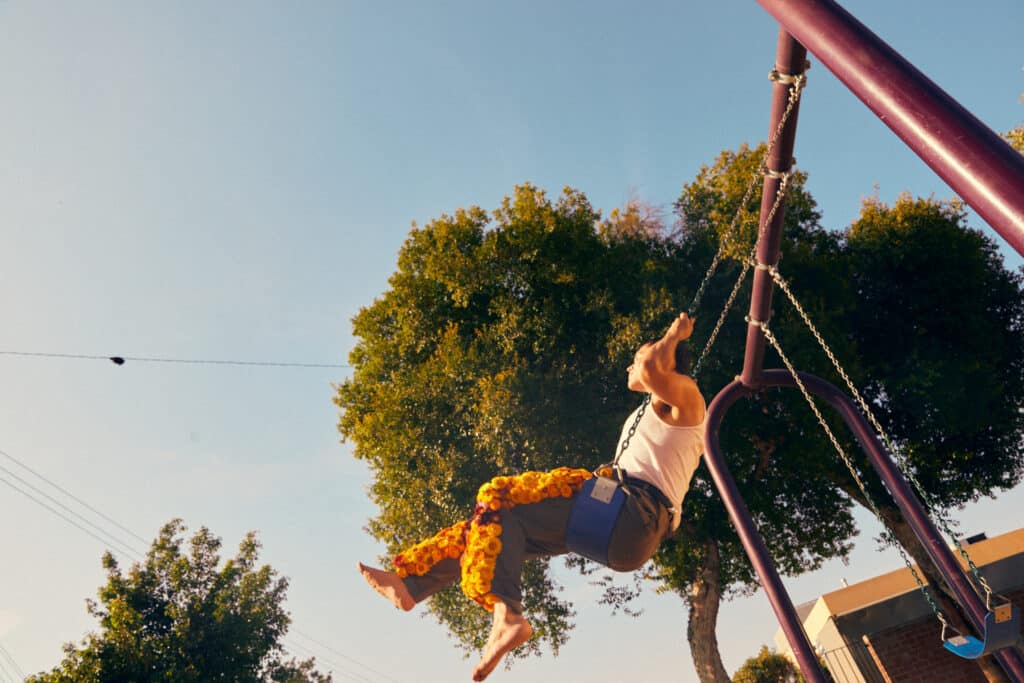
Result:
x=478 y=540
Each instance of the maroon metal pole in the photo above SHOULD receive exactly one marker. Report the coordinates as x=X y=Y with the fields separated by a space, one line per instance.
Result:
x=978 y=164
x=751 y=538
x=907 y=502
x=790 y=59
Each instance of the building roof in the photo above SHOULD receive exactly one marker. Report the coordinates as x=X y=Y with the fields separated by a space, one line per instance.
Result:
x=885 y=586
x=891 y=597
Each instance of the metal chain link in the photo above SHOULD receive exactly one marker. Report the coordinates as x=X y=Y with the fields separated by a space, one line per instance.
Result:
x=850 y=466
x=632 y=430
x=721 y=319
x=928 y=500
x=780 y=194
x=795 y=92
x=796 y=83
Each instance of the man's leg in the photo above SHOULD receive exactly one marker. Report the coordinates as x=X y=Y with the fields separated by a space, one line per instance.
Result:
x=406 y=593
x=509 y=630
x=527 y=531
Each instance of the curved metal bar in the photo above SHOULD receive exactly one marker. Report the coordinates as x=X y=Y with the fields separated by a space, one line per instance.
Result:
x=753 y=543
x=751 y=537
x=915 y=514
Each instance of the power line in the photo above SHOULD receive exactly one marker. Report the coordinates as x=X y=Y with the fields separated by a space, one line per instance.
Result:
x=73 y=497
x=121 y=360
x=337 y=668
x=5 y=675
x=67 y=519
x=19 y=674
x=110 y=536
x=342 y=655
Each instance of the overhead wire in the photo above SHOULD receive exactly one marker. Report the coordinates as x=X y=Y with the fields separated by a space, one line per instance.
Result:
x=330 y=649
x=67 y=519
x=104 y=535
x=111 y=539
x=5 y=675
x=73 y=497
x=338 y=669
x=19 y=674
x=121 y=360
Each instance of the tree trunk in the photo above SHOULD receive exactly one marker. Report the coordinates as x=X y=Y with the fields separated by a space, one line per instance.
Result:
x=704 y=599
x=893 y=519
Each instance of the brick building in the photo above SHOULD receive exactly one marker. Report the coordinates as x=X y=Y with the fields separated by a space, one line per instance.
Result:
x=883 y=631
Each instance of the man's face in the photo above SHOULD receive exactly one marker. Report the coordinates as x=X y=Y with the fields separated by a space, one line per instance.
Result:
x=633 y=380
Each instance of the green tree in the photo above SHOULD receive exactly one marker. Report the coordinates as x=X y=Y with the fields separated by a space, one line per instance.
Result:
x=178 y=617
x=1016 y=138
x=767 y=666
x=500 y=346
x=501 y=341
x=768 y=437
x=938 y=324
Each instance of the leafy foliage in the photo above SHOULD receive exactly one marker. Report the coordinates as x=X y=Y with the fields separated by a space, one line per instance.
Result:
x=939 y=325
x=177 y=617
x=501 y=346
x=1016 y=138
x=767 y=666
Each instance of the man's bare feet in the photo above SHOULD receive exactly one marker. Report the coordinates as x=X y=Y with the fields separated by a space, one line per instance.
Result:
x=509 y=631
x=389 y=585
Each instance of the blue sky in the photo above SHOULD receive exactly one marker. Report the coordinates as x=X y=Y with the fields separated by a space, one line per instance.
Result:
x=234 y=181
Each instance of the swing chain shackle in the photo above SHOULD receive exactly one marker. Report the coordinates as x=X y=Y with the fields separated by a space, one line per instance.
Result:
x=776 y=76
x=797 y=84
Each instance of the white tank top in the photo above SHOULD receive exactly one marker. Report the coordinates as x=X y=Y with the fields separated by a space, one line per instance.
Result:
x=663 y=455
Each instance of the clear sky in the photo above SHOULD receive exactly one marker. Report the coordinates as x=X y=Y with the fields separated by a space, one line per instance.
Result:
x=234 y=180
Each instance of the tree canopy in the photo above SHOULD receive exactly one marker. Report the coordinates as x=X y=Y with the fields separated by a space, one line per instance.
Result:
x=501 y=345
x=502 y=341
x=179 y=616
x=767 y=666
x=1015 y=137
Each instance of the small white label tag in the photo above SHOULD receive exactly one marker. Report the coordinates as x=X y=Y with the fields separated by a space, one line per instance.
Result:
x=604 y=489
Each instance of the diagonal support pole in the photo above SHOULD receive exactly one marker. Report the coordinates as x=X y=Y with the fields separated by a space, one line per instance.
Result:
x=976 y=162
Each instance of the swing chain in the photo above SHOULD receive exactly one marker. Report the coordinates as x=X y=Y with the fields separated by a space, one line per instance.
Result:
x=780 y=195
x=721 y=319
x=629 y=436
x=905 y=465
x=797 y=83
x=770 y=337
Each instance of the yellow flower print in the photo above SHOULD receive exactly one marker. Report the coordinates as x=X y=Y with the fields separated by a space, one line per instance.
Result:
x=478 y=541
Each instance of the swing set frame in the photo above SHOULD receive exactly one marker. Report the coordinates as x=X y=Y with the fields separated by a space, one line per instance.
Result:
x=972 y=159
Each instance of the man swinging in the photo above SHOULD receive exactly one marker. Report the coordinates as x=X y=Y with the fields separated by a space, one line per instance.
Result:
x=526 y=516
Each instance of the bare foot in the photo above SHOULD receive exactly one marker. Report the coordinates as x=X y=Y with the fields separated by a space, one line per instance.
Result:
x=508 y=632
x=389 y=585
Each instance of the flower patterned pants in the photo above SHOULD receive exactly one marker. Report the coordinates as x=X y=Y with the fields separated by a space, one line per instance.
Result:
x=536 y=530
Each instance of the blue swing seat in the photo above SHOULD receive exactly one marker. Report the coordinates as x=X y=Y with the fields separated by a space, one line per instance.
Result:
x=1002 y=629
x=593 y=517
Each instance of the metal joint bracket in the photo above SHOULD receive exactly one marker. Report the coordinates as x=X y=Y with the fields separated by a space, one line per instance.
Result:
x=777 y=76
